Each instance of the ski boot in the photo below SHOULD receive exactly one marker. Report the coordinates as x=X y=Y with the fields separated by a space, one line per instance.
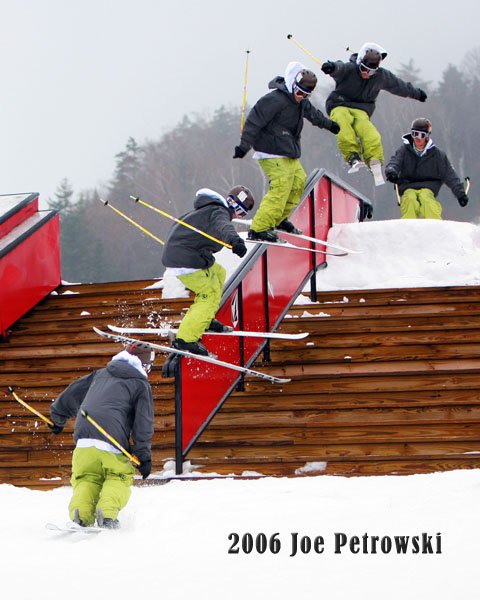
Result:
x=193 y=347
x=218 y=327
x=289 y=227
x=106 y=522
x=77 y=519
x=263 y=236
x=355 y=162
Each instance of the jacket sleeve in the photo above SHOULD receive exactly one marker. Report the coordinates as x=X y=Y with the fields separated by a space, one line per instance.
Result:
x=316 y=117
x=68 y=402
x=258 y=118
x=394 y=85
x=142 y=430
x=394 y=165
x=222 y=227
x=340 y=70
x=452 y=180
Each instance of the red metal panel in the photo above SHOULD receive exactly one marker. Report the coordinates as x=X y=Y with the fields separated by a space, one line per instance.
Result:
x=20 y=215
x=29 y=272
x=345 y=206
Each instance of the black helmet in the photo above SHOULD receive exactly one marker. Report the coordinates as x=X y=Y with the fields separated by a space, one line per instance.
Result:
x=240 y=199
x=422 y=124
x=372 y=59
x=306 y=81
x=144 y=353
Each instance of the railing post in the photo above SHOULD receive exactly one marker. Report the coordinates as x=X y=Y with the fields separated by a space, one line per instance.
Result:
x=241 y=340
x=313 y=279
x=178 y=420
x=266 y=349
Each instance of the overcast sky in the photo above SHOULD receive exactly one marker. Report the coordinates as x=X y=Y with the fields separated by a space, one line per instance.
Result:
x=81 y=76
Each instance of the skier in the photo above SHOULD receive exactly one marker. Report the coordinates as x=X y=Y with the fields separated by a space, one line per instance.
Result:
x=119 y=398
x=188 y=256
x=419 y=169
x=352 y=103
x=273 y=128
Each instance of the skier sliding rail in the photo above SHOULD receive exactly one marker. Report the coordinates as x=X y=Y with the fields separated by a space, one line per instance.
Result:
x=209 y=359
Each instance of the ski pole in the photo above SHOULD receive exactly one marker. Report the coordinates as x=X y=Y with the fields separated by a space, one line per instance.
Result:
x=244 y=101
x=119 y=212
x=467 y=184
x=30 y=408
x=165 y=214
x=290 y=37
x=134 y=459
x=398 y=194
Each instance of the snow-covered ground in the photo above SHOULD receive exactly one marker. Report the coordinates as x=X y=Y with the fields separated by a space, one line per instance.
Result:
x=175 y=539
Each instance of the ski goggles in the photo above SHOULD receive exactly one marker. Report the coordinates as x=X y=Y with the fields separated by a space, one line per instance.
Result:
x=420 y=135
x=299 y=92
x=367 y=70
x=237 y=205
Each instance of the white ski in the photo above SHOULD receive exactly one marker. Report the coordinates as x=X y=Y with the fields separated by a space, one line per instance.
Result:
x=376 y=170
x=284 y=244
x=72 y=527
x=164 y=331
x=319 y=241
x=122 y=338
x=359 y=164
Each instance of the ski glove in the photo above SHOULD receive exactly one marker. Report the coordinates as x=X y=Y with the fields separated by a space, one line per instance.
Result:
x=56 y=428
x=145 y=468
x=463 y=200
x=328 y=67
x=391 y=176
x=239 y=248
x=422 y=94
x=334 y=127
x=239 y=152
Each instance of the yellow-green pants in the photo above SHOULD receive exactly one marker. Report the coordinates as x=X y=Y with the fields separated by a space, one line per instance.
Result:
x=357 y=134
x=420 y=203
x=287 y=182
x=99 y=479
x=207 y=285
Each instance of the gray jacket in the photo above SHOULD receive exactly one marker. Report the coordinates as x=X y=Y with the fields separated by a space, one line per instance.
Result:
x=354 y=92
x=187 y=249
x=119 y=399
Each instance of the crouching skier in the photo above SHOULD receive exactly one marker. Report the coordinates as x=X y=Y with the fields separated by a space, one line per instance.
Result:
x=119 y=398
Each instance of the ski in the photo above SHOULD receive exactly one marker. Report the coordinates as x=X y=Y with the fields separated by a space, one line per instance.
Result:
x=72 y=527
x=284 y=244
x=215 y=361
x=164 y=331
x=319 y=241
x=355 y=168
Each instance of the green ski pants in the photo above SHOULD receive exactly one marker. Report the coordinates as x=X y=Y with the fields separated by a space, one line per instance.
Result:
x=420 y=203
x=287 y=182
x=99 y=479
x=357 y=134
x=207 y=285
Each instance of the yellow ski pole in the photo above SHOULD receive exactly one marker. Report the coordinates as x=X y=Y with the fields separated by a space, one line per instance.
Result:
x=290 y=37
x=134 y=459
x=244 y=101
x=30 y=408
x=165 y=214
x=467 y=184
x=398 y=194
x=119 y=212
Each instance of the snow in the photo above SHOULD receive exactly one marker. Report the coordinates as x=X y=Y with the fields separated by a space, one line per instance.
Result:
x=174 y=540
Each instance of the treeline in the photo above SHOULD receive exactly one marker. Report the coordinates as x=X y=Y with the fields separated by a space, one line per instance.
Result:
x=98 y=245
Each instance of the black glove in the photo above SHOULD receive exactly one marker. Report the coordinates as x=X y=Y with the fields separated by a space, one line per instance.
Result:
x=239 y=248
x=334 y=127
x=328 y=67
x=56 y=428
x=391 y=176
x=463 y=200
x=239 y=152
x=422 y=94
x=170 y=366
x=145 y=468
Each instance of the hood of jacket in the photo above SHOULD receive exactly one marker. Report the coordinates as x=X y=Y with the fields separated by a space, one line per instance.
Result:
x=205 y=196
x=285 y=83
x=125 y=366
